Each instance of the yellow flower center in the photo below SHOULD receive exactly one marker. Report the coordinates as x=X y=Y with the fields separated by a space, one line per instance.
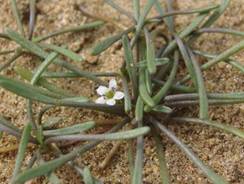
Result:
x=109 y=94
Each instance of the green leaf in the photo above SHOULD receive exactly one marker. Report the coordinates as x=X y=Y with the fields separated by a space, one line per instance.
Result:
x=164 y=173
x=43 y=66
x=130 y=67
x=163 y=91
x=203 y=98
x=53 y=179
x=163 y=109
x=136 y=9
x=127 y=98
x=138 y=166
x=8 y=127
x=106 y=43
x=11 y=60
x=237 y=65
x=187 y=31
x=75 y=129
x=139 y=109
x=150 y=56
x=129 y=134
x=28 y=45
x=187 y=59
x=38 y=94
x=216 y=179
x=148 y=82
x=50 y=166
x=143 y=90
x=50 y=122
x=35 y=49
x=83 y=27
x=76 y=99
x=120 y=10
x=224 y=55
x=217 y=13
x=221 y=57
x=32 y=18
x=17 y=16
x=22 y=149
x=131 y=157
x=39 y=135
x=236 y=131
x=88 y=179
x=158 y=62
x=222 y=30
x=63 y=51
x=149 y=4
x=27 y=75
x=26 y=90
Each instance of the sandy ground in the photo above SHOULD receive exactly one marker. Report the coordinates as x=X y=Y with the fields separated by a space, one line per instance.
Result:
x=221 y=151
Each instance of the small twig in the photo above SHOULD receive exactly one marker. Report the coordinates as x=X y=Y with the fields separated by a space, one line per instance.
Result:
x=121 y=10
x=6 y=52
x=32 y=18
x=11 y=60
x=110 y=155
x=11 y=148
x=102 y=18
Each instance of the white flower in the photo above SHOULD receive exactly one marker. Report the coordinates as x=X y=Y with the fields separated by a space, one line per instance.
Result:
x=109 y=95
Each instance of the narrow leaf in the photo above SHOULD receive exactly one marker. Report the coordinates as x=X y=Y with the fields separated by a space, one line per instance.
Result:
x=17 y=16
x=143 y=15
x=163 y=91
x=164 y=173
x=129 y=134
x=221 y=57
x=130 y=65
x=50 y=166
x=50 y=122
x=236 y=131
x=88 y=179
x=217 y=13
x=8 y=127
x=163 y=109
x=203 y=99
x=49 y=59
x=150 y=56
x=187 y=31
x=138 y=168
x=106 y=43
x=75 y=129
x=127 y=98
x=139 y=109
x=38 y=51
x=27 y=75
x=61 y=50
x=26 y=90
x=83 y=27
x=22 y=149
x=187 y=59
x=32 y=18
x=216 y=179
x=143 y=90
x=136 y=9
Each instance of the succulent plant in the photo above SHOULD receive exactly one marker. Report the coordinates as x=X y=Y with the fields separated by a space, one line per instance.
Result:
x=152 y=93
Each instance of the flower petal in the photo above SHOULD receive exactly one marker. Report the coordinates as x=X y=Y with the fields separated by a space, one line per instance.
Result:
x=111 y=101
x=100 y=100
x=102 y=90
x=118 y=95
x=112 y=84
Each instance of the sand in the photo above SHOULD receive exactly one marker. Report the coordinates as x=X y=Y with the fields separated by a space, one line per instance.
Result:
x=222 y=151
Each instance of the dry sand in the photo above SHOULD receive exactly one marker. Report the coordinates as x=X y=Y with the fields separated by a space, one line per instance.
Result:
x=223 y=152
